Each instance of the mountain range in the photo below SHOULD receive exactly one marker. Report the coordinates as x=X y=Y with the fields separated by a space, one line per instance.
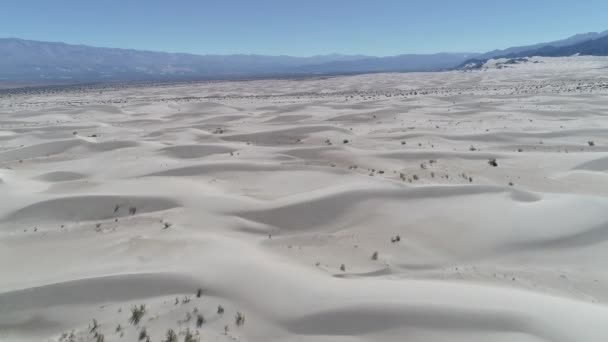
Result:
x=27 y=61
x=587 y=44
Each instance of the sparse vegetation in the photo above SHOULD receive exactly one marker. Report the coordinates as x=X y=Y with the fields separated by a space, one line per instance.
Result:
x=94 y=327
x=137 y=313
x=396 y=239
x=591 y=143
x=170 y=336
x=200 y=320
x=493 y=162
x=143 y=334
x=189 y=337
x=375 y=256
x=342 y=268
x=239 y=319
x=199 y=293
x=220 y=309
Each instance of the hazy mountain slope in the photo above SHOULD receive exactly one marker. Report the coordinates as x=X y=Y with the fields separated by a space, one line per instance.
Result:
x=33 y=60
x=591 y=47
x=24 y=60
x=595 y=47
x=578 y=38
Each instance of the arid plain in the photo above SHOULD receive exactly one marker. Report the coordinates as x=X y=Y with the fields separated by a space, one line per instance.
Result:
x=460 y=206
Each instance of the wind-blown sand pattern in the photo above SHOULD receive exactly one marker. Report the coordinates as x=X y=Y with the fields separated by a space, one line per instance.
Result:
x=283 y=200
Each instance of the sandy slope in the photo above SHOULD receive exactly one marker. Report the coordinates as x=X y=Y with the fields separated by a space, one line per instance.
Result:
x=257 y=192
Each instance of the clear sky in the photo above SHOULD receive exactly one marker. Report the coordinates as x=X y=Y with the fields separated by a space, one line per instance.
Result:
x=302 y=27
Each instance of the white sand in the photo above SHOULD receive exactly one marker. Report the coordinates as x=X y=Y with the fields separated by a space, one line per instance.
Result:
x=225 y=164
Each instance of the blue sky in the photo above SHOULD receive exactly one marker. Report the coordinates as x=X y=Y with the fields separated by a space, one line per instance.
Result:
x=302 y=27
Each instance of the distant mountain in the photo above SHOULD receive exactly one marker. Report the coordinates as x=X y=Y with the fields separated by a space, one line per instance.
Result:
x=34 y=61
x=578 y=38
x=594 y=47
x=587 y=44
x=24 y=60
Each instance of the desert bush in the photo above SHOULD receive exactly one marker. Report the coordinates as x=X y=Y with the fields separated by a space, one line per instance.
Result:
x=200 y=320
x=342 y=268
x=190 y=337
x=493 y=162
x=239 y=319
x=94 y=327
x=591 y=143
x=199 y=293
x=100 y=338
x=143 y=334
x=220 y=309
x=170 y=336
x=137 y=313
x=375 y=256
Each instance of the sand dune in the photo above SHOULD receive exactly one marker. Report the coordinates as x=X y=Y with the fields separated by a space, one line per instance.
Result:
x=452 y=206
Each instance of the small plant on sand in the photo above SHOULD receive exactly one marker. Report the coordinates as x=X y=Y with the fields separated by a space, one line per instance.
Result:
x=199 y=293
x=143 y=334
x=132 y=210
x=190 y=337
x=342 y=268
x=186 y=300
x=375 y=256
x=100 y=338
x=200 y=320
x=239 y=319
x=170 y=336
x=220 y=309
x=137 y=313
x=94 y=327
x=118 y=328
x=591 y=143
x=396 y=239
x=493 y=162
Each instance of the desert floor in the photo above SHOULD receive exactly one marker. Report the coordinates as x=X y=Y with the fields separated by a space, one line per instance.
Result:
x=361 y=208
